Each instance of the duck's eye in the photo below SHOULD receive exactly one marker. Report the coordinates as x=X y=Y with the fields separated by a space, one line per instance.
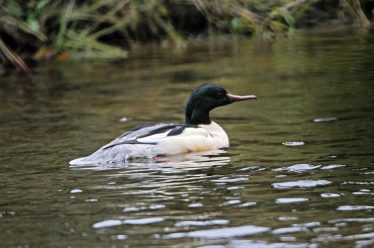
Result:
x=219 y=94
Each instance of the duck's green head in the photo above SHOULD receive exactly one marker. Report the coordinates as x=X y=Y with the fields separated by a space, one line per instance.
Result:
x=207 y=97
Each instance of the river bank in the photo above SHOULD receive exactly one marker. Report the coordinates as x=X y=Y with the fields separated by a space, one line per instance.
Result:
x=44 y=30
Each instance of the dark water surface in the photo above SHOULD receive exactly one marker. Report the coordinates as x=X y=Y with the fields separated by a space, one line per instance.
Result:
x=299 y=172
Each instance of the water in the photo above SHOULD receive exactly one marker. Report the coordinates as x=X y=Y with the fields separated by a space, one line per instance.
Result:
x=299 y=172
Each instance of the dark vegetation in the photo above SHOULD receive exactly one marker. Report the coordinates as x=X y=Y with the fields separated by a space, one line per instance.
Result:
x=39 y=30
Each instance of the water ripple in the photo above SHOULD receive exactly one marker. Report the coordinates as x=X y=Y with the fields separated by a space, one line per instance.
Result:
x=339 y=237
x=343 y=220
x=293 y=143
x=325 y=119
x=298 y=168
x=308 y=224
x=330 y=195
x=290 y=200
x=227 y=232
x=141 y=221
x=107 y=223
x=195 y=205
x=287 y=218
x=354 y=208
x=332 y=166
x=307 y=183
x=286 y=230
x=225 y=180
x=263 y=244
x=201 y=223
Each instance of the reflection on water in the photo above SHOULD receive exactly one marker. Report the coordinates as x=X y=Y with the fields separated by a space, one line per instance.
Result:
x=168 y=164
x=298 y=173
x=305 y=183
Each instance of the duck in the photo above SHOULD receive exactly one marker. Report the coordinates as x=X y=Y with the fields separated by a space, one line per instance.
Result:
x=199 y=133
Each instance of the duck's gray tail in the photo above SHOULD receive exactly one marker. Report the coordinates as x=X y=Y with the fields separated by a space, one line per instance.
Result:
x=103 y=156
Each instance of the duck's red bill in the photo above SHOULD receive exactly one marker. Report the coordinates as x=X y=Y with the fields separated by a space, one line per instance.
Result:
x=236 y=98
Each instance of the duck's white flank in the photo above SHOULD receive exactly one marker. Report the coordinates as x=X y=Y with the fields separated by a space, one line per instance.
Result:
x=142 y=143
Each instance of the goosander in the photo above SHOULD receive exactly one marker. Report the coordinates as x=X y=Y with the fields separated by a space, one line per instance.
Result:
x=199 y=133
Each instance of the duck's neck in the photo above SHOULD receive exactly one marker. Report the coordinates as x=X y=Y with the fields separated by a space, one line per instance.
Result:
x=197 y=116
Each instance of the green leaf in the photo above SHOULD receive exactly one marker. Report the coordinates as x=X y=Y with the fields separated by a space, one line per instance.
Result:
x=290 y=20
x=13 y=7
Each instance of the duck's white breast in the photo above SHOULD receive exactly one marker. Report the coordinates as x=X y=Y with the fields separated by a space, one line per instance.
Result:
x=203 y=138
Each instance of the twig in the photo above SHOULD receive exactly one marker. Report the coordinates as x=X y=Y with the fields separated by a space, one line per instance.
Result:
x=16 y=60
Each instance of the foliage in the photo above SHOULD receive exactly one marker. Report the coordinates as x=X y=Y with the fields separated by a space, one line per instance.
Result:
x=103 y=28
x=81 y=28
